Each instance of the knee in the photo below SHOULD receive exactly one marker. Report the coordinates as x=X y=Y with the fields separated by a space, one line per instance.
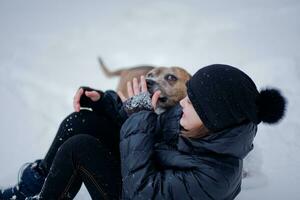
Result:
x=71 y=118
x=76 y=120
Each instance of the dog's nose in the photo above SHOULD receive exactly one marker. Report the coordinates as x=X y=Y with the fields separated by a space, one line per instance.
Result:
x=150 y=82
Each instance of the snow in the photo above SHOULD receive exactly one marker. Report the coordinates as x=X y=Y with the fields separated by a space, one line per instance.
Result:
x=49 y=48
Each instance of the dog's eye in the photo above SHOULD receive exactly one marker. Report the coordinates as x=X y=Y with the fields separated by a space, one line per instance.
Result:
x=170 y=77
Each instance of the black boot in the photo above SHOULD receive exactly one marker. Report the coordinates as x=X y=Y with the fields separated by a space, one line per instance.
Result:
x=30 y=183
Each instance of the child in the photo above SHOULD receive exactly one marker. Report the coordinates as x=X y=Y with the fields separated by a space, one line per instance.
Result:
x=192 y=151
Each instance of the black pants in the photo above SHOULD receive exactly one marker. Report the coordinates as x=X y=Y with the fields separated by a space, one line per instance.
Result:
x=85 y=150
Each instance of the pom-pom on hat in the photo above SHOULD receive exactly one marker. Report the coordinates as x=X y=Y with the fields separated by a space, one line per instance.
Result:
x=224 y=96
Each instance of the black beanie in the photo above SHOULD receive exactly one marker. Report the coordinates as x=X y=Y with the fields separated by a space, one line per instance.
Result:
x=224 y=96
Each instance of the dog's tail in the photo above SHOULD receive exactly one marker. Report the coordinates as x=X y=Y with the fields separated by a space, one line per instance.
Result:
x=143 y=69
x=107 y=71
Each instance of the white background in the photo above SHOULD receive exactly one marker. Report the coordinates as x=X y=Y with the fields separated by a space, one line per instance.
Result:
x=49 y=48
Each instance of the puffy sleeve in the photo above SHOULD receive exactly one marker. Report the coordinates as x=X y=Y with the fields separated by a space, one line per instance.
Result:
x=109 y=104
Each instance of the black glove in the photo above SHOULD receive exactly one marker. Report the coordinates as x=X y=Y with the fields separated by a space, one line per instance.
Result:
x=86 y=101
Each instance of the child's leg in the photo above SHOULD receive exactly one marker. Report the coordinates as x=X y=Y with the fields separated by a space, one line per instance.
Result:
x=84 y=122
x=83 y=158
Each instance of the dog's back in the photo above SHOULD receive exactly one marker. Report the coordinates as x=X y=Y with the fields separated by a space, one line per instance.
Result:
x=126 y=74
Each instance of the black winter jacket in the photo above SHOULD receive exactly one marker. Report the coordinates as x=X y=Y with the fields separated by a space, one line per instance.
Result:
x=159 y=163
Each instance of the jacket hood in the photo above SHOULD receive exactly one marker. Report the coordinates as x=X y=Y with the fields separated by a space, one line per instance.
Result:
x=236 y=141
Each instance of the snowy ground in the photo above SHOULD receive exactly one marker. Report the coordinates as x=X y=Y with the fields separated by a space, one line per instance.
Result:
x=49 y=48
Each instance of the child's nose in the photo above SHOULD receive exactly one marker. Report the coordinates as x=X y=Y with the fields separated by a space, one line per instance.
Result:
x=181 y=102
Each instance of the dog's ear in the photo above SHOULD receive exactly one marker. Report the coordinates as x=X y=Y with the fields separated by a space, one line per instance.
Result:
x=189 y=76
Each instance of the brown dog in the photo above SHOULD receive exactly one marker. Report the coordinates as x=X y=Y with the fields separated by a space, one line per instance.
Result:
x=169 y=80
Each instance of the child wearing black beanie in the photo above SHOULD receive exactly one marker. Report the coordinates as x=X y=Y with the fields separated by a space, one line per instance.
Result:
x=218 y=124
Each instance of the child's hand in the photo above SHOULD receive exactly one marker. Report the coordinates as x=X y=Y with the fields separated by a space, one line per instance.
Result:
x=93 y=95
x=133 y=89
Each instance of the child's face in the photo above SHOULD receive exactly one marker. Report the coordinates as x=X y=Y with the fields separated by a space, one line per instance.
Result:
x=190 y=119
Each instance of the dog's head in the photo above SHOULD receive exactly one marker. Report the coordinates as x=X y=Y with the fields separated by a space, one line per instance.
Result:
x=171 y=81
